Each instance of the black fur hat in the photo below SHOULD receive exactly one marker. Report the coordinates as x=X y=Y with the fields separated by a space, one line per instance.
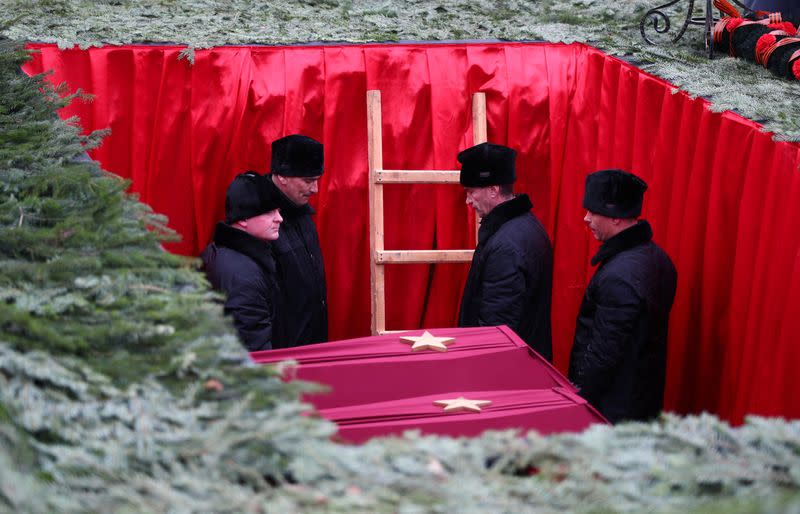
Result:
x=297 y=156
x=614 y=193
x=487 y=164
x=248 y=196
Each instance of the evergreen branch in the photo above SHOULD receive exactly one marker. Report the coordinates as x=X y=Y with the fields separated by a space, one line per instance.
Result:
x=124 y=388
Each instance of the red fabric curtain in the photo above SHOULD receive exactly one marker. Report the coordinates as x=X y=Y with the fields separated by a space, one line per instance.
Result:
x=723 y=196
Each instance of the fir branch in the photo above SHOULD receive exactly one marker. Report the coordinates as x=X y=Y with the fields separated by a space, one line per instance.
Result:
x=611 y=25
x=123 y=387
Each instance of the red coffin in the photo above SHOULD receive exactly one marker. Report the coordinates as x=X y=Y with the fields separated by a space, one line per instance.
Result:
x=557 y=409
x=380 y=386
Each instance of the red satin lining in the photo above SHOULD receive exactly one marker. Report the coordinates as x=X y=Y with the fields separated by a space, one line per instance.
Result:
x=723 y=198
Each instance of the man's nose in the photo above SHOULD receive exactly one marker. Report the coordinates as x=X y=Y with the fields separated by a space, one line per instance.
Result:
x=315 y=186
x=587 y=217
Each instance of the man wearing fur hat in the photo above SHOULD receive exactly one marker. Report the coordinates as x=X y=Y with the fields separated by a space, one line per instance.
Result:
x=511 y=276
x=619 y=354
x=297 y=165
x=239 y=260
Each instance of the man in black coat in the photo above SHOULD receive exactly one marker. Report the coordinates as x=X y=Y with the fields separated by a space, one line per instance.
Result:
x=511 y=276
x=239 y=260
x=619 y=354
x=297 y=165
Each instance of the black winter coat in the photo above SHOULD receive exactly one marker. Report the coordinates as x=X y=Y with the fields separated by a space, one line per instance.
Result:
x=302 y=316
x=243 y=267
x=511 y=276
x=619 y=354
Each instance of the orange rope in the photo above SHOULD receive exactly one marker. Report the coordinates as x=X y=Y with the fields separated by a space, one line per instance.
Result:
x=785 y=41
x=763 y=53
x=719 y=28
x=727 y=8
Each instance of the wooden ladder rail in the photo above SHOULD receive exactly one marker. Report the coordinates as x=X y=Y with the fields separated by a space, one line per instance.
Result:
x=378 y=176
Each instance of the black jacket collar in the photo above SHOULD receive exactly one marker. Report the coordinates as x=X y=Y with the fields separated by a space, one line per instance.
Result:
x=288 y=207
x=490 y=224
x=244 y=243
x=625 y=240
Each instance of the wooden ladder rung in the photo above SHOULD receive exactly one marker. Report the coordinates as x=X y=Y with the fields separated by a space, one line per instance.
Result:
x=422 y=256
x=417 y=176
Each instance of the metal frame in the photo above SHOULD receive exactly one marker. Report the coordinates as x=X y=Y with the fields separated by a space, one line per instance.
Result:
x=378 y=176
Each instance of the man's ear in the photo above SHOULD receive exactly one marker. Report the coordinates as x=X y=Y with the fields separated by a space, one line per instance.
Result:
x=495 y=191
x=281 y=179
x=241 y=224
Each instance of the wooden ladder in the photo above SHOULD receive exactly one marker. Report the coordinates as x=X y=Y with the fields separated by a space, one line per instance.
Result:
x=378 y=176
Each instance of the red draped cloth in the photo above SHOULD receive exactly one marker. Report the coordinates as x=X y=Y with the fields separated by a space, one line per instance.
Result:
x=723 y=199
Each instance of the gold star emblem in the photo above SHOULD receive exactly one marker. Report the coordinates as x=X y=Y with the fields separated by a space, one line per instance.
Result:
x=428 y=341
x=461 y=404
